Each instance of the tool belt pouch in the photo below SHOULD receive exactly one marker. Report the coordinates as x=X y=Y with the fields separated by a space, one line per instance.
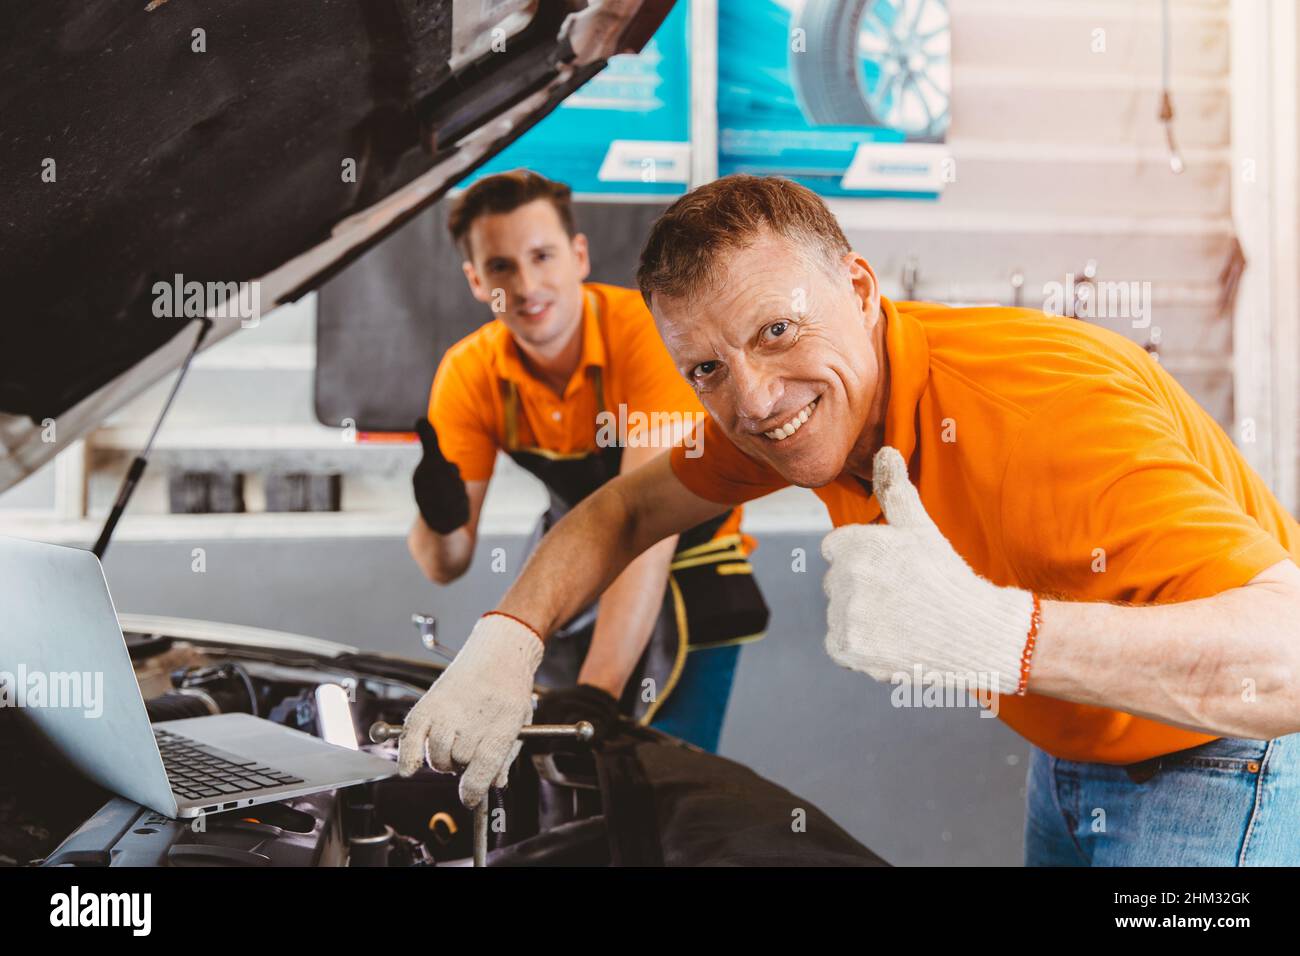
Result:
x=721 y=599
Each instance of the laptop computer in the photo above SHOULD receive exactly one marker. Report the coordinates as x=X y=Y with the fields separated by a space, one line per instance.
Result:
x=64 y=662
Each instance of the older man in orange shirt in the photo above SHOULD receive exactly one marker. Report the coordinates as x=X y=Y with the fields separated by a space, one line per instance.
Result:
x=1063 y=527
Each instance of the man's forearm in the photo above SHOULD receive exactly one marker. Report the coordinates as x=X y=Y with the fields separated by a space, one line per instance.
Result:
x=1228 y=665
x=629 y=609
x=442 y=557
x=582 y=555
x=575 y=561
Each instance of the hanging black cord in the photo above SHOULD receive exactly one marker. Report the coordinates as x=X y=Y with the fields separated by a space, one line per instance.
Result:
x=1176 y=164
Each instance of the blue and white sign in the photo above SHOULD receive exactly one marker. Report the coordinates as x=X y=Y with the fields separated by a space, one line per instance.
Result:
x=627 y=131
x=848 y=97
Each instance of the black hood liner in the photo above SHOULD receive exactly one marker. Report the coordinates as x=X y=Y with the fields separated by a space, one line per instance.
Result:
x=219 y=166
x=669 y=804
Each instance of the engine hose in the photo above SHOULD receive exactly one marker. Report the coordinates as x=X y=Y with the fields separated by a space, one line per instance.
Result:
x=226 y=682
x=177 y=705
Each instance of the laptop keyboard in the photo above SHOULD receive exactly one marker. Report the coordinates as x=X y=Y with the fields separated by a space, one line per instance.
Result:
x=197 y=771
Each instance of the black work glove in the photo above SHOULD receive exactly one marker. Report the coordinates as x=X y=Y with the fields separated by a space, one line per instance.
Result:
x=572 y=704
x=439 y=492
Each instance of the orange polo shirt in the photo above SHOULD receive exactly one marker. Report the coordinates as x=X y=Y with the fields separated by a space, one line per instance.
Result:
x=1060 y=457
x=467 y=408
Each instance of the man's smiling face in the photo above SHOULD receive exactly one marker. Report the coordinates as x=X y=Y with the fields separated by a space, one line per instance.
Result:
x=525 y=264
x=785 y=356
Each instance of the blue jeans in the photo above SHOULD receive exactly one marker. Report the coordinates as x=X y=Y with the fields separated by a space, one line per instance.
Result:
x=695 y=709
x=1231 y=802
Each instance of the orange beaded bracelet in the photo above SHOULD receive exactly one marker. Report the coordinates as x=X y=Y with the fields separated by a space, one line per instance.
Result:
x=517 y=621
x=1035 y=621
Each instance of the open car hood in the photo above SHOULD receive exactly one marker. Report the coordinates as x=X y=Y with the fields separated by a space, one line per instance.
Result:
x=231 y=142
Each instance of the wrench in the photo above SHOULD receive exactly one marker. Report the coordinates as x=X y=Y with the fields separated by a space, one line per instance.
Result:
x=582 y=730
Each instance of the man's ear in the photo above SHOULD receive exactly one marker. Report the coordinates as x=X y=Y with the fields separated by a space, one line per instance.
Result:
x=476 y=286
x=865 y=286
x=581 y=256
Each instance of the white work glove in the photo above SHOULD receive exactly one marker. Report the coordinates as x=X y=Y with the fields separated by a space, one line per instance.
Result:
x=472 y=714
x=900 y=596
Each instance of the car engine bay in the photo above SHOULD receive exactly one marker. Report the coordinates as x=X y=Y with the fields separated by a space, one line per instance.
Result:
x=623 y=801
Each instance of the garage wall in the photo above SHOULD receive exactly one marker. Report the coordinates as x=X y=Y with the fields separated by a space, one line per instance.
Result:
x=1266 y=205
x=1060 y=160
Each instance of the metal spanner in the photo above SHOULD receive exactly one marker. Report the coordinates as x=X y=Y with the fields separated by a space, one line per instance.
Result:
x=582 y=730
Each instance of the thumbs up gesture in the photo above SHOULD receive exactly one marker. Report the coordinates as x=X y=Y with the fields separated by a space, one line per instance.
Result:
x=439 y=492
x=901 y=597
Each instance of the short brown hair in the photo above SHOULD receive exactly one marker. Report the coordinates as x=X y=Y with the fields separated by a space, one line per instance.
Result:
x=506 y=192
x=681 y=255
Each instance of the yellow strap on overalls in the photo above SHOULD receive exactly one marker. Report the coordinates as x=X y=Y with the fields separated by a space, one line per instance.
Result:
x=510 y=401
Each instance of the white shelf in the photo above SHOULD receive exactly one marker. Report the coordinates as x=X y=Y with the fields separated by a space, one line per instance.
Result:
x=217 y=437
x=233 y=354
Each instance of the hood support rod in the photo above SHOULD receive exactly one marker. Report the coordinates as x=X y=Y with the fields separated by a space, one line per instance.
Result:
x=136 y=470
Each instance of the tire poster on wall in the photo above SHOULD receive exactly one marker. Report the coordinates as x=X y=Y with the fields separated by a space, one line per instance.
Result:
x=847 y=97
x=626 y=131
